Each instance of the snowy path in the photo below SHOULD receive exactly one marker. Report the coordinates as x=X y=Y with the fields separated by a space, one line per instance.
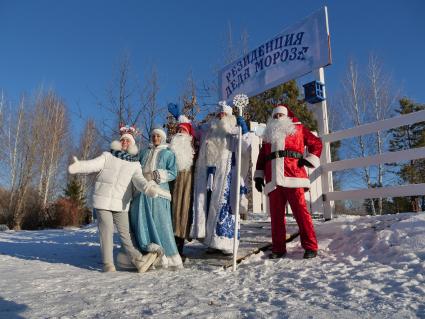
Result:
x=367 y=267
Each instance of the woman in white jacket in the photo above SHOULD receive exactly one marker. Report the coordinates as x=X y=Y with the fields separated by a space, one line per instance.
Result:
x=118 y=171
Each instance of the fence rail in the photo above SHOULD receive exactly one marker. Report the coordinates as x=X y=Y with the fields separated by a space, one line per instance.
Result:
x=389 y=157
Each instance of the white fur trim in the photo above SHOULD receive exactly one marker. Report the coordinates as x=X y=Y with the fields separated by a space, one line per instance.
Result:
x=280 y=109
x=183 y=119
x=313 y=160
x=164 y=193
x=116 y=145
x=155 y=248
x=296 y=182
x=223 y=107
x=163 y=175
x=290 y=182
x=133 y=149
x=175 y=261
x=259 y=173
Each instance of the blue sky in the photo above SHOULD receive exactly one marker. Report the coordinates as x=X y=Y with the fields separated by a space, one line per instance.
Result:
x=73 y=46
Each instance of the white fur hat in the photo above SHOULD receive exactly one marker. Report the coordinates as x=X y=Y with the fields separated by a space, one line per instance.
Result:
x=160 y=131
x=127 y=132
x=223 y=107
x=129 y=137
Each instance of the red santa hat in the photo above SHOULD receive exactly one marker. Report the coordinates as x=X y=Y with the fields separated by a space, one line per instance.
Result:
x=185 y=124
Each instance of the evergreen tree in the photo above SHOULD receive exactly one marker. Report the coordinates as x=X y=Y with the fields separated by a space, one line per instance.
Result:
x=260 y=107
x=74 y=191
x=408 y=137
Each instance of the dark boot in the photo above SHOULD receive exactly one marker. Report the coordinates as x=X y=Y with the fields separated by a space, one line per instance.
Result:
x=310 y=254
x=277 y=255
x=180 y=246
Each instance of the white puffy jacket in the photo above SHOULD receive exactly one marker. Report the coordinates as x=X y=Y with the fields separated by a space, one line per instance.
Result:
x=113 y=189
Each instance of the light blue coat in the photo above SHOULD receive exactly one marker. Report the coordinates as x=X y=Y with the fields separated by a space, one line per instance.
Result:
x=150 y=218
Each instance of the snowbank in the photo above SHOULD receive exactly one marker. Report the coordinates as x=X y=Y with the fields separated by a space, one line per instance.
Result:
x=367 y=267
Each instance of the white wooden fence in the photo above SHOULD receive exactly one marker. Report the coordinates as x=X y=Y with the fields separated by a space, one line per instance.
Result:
x=320 y=201
x=389 y=157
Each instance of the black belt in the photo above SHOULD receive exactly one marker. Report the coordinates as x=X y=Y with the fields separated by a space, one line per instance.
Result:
x=283 y=153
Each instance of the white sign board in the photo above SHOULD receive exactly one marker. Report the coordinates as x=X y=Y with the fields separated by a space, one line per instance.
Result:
x=295 y=51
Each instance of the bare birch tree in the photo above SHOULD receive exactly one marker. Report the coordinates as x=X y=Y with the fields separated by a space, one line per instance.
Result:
x=52 y=121
x=3 y=150
x=381 y=99
x=352 y=107
x=34 y=135
x=149 y=110
x=25 y=146
x=364 y=99
x=89 y=147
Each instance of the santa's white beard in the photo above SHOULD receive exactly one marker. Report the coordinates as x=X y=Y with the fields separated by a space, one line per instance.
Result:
x=223 y=127
x=181 y=145
x=278 y=129
x=217 y=138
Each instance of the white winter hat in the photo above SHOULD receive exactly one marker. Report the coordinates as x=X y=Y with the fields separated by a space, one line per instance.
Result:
x=160 y=131
x=126 y=131
x=129 y=137
x=223 y=107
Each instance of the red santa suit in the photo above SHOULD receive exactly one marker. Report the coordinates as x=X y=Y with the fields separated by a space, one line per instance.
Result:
x=285 y=179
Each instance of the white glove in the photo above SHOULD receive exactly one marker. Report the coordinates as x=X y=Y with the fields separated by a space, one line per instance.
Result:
x=73 y=168
x=151 y=189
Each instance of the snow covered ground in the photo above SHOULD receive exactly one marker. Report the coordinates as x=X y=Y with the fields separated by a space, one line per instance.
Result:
x=368 y=267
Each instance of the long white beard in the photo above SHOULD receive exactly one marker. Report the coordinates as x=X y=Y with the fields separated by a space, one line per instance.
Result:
x=217 y=138
x=223 y=127
x=181 y=145
x=277 y=129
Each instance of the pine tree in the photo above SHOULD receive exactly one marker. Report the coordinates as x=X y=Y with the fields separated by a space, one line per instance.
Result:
x=74 y=191
x=260 y=107
x=408 y=137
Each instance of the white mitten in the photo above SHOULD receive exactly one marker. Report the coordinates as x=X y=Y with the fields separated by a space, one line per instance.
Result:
x=73 y=168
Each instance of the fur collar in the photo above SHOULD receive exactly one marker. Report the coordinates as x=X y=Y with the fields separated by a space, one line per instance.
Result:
x=132 y=149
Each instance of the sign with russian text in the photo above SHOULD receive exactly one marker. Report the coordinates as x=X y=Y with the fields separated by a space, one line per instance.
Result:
x=294 y=52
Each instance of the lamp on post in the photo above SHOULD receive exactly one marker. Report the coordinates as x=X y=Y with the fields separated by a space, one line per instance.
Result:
x=314 y=92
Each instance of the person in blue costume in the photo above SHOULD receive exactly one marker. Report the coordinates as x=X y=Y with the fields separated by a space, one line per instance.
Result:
x=213 y=220
x=150 y=218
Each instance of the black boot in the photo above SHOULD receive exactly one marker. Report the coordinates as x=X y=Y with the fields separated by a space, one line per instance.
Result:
x=310 y=254
x=277 y=255
x=180 y=246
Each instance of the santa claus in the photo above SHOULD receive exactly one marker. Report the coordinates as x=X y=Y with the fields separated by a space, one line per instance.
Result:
x=182 y=146
x=280 y=170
